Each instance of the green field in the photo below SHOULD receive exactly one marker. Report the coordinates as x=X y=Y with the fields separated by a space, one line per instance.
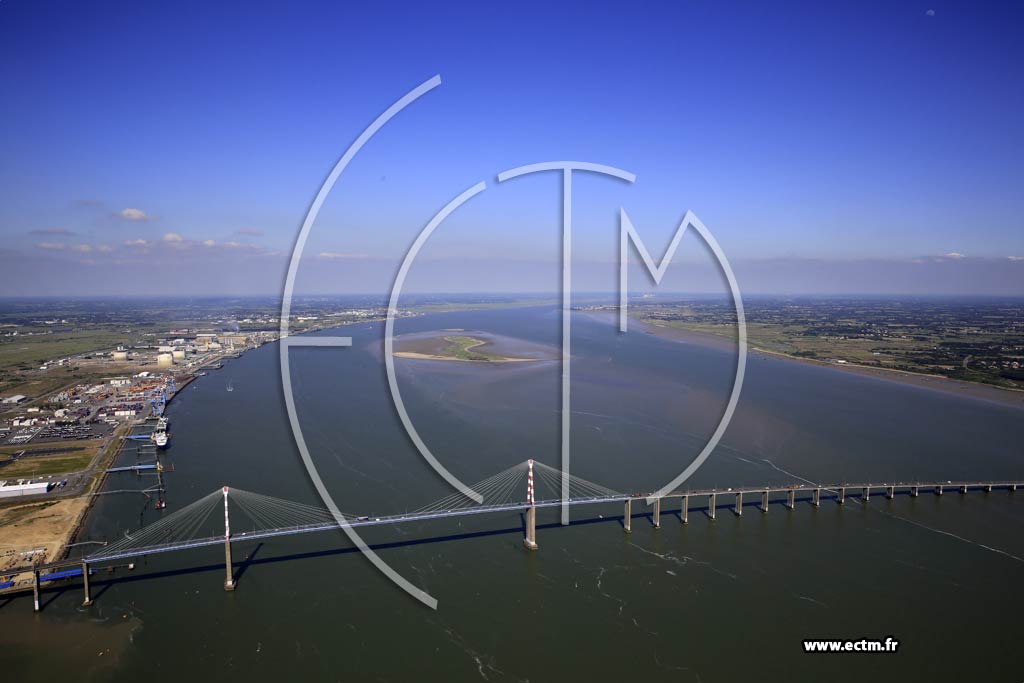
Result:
x=29 y=352
x=972 y=341
x=462 y=348
x=47 y=464
x=77 y=456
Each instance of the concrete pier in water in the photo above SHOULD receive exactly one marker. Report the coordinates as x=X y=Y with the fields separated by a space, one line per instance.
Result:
x=531 y=529
x=85 y=585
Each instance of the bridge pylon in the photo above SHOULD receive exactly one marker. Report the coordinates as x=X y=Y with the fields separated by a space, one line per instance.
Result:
x=531 y=512
x=229 y=577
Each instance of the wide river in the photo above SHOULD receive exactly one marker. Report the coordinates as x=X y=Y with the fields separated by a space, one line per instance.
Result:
x=722 y=600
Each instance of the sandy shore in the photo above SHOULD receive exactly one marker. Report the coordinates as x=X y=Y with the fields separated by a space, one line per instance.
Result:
x=41 y=528
x=492 y=348
x=427 y=356
x=983 y=392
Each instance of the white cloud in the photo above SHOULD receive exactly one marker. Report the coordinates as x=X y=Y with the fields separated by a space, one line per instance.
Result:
x=930 y=12
x=337 y=255
x=104 y=248
x=52 y=246
x=135 y=215
x=209 y=243
x=1016 y=258
x=173 y=237
x=242 y=246
x=954 y=255
x=50 y=231
x=82 y=248
x=136 y=243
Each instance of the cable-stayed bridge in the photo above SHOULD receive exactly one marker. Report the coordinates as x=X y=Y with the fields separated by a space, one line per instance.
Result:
x=524 y=487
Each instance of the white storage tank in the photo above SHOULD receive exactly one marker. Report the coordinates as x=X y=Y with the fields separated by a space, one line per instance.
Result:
x=164 y=360
x=178 y=354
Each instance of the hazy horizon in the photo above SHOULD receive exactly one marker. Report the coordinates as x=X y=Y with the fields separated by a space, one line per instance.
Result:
x=168 y=150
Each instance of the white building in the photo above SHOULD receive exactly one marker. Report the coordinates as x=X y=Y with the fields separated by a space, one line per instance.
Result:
x=26 y=489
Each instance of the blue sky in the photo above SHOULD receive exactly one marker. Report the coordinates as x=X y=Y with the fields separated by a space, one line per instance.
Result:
x=829 y=146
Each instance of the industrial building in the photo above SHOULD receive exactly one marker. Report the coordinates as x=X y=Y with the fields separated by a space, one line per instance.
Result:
x=16 y=490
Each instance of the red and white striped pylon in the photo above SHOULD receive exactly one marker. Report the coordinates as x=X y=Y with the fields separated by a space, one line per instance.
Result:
x=529 y=482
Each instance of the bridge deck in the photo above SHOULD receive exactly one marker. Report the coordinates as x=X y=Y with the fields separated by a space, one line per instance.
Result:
x=240 y=537
x=511 y=507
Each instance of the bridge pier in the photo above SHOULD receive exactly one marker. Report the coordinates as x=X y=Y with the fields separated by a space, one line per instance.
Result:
x=657 y=513
x=764 y=501
x=739 y=504
x=1013 y=487
x=816 y=501
x=963 y=489
x=711 y=506
x=229 y=578
x=890 y=492
x=867 y=494
x=913 y=491
x=35 y=590
x=531 y=529
x=988 y=488
x=627 y=519
x=684 y=510
x=791 y=499
x=842 y=495
x=938 y=490
x=85 y=584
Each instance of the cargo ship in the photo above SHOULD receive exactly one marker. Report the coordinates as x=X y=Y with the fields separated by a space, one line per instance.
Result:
x=160 y=435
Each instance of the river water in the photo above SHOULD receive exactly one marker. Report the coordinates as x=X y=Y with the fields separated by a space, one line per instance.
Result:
x=707 y=601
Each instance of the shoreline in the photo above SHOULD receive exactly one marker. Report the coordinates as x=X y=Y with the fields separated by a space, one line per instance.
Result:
x=956 y=387
x=426 y=356
x=442 y=345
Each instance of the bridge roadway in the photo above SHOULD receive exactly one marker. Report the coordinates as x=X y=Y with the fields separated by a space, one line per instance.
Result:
x=711 y=494
x=57 y=570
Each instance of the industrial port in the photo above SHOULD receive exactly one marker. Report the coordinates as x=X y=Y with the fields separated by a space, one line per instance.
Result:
x=56 y=450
